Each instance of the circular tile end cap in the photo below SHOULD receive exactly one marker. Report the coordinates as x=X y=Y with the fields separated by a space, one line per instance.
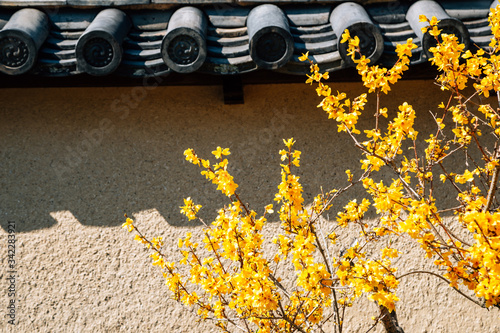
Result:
x=371 y=42
x=271 y=47
x=184 y=50
x=447 y=26
x=18 y=52
x=98 y=53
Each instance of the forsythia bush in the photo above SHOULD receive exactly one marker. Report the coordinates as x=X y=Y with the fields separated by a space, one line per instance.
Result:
x=231 y=280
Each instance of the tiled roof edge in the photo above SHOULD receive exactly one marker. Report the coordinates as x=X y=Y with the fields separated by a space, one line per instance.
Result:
x=224 y=38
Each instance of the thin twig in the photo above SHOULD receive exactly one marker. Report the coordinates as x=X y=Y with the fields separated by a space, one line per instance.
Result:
x=376 y=323
x=228 y=320
x=446 y=280
x=321 y=250
x=493 y=184
x=279 y=285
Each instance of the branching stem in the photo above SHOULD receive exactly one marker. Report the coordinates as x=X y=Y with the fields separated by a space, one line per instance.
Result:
x=444 y=279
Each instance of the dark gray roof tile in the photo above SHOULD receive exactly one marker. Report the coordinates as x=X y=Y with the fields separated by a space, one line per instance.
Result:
x=308 y=16
x=106 y=3
x=228 y=51
x=61 y=44
x=227 y=33
x=142 y=45
x=147 y=35
x=133 y=54
x=57 y=54
x=32 y=3
x=226 y=16
x=150 y=20
x=71 y=19
x=311 y=29
x=468 y=9
x=315 y=37
x=315 y=48
x=227 y=41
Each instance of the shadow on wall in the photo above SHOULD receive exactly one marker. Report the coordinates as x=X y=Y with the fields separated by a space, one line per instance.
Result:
x=102 y=152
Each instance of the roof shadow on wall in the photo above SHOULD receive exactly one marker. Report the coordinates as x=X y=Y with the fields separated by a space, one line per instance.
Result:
x=102 y=152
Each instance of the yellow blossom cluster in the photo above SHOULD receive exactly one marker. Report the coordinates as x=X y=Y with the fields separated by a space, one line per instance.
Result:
x=217 y=173
x=407 y=205
x=374 y=277
x=234 y=278
x=190 y=209
x=230 y=276
x=377 y=78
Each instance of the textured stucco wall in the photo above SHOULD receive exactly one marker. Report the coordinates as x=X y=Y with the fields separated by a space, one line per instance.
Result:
x=74 y=160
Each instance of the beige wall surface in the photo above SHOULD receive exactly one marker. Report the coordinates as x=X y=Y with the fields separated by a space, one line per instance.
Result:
x=74 y=160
